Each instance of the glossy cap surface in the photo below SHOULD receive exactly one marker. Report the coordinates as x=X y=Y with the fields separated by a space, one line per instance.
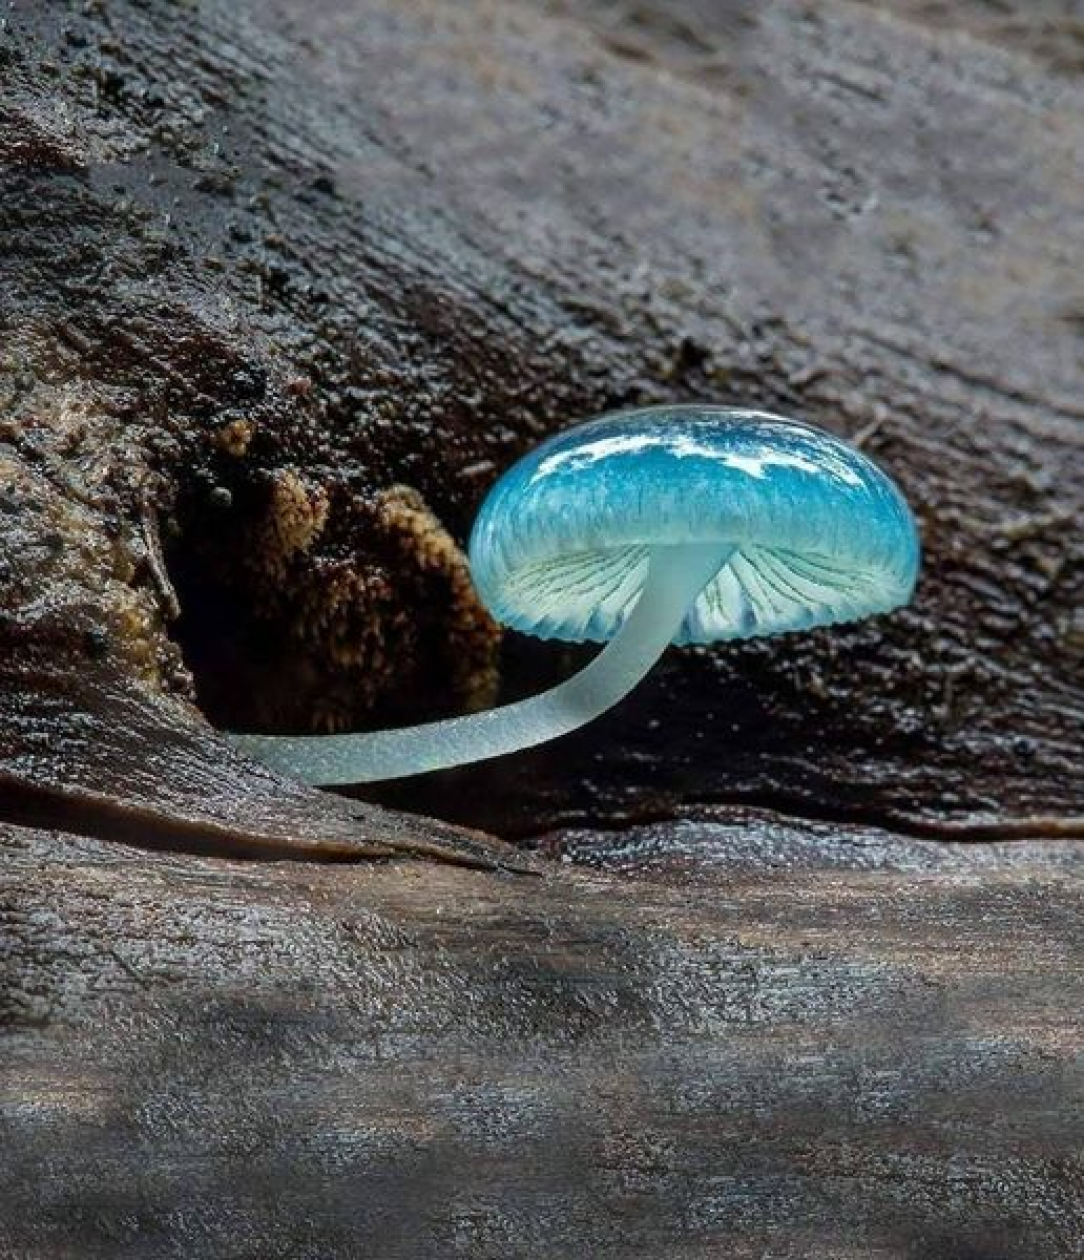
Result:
x=821 y=534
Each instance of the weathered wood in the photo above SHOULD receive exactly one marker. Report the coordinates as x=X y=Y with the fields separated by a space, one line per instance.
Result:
x=262 y=266
x=730 y=1058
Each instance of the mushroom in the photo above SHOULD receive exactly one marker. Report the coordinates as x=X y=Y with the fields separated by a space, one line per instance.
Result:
x=673 y=524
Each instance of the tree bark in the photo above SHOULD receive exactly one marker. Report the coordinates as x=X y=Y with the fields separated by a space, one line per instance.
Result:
x=283 y=287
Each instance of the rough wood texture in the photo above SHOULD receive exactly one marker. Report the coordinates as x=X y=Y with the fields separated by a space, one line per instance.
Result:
x=282 y=288
x=721 y=1057
x=261 y=267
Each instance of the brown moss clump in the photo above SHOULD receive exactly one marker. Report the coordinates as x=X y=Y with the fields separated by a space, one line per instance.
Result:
x=364 y=609
x=297 y=514
x=347 y=622
x=473 y=635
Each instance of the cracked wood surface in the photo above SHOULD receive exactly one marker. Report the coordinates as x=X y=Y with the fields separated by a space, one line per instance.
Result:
x=265 y=259
x=261 y=268
x=795 y=1048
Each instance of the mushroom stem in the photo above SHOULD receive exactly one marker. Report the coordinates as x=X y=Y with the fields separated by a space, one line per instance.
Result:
x=676 y=575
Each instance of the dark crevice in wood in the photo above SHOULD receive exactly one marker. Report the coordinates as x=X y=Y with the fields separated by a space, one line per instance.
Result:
x=116 y=820
x=799 y=811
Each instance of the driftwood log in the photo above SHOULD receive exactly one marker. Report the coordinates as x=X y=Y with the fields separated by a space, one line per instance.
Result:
x=283 y=286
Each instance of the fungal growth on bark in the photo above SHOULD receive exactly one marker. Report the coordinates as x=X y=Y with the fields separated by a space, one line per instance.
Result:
x=679 y=524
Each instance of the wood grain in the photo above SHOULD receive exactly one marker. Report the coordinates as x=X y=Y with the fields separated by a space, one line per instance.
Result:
x=727 y=1057
x=787 y=963
x=383 y=244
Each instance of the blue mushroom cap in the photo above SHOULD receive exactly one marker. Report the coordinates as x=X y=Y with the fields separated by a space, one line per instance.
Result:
x=561 y=544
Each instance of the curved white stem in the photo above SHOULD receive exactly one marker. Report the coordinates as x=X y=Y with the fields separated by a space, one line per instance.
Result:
x=676 y=576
